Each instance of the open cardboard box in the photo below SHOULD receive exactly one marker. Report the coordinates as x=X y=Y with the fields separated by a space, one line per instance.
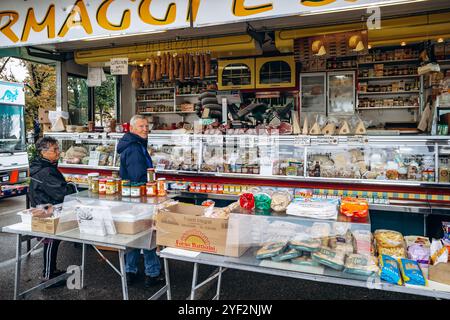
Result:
x=439 y=272
x=184 y=226
x=52 y=225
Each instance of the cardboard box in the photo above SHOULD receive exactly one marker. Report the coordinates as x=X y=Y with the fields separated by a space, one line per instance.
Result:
x=46 y=127
x=133 y=227
x=43 y=116
x=184 y=226
x=51 y=225
x=439 y=273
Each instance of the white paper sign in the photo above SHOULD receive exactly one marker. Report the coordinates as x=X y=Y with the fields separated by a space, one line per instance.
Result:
x=119 y=66
x=94 y=158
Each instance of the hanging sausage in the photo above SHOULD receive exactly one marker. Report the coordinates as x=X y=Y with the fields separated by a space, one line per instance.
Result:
x=175 y=66
x=186 y=65
x=136 y=78
x=191 y=66
x=152 y=69
x=181 y=66
x=207 y=64
x=197 y=65
x=158 y=68
x=202 y=66
x=171 y=73
x=163 y=64
x=167 y=63
x=146 y=75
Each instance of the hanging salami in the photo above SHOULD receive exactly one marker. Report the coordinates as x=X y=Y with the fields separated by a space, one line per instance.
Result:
x=146 y=75
x=136 y=78
x=171 y=73
x=202 y=66
x=197 y=65
x=191 y=66
x=158 y=68
x=152 y=69
x=208 y=65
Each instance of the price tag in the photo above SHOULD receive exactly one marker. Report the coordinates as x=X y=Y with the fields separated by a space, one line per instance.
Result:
x=78 y=141
x=325 y=140
x=94 y=157
x=266 y=170
x=302 y=141
x=357 y=140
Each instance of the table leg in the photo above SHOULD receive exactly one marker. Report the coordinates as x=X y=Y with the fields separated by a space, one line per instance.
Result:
x=166 y=269
x=18 y=265
x=83 y=259
x=194 y=280
x=123 y=274
x=219 y=283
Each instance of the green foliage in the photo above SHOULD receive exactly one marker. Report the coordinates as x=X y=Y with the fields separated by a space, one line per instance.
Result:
x=104 y=100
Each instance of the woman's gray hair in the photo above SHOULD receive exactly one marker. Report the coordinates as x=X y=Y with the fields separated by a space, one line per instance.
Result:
x=135 y=118
x=45 y=143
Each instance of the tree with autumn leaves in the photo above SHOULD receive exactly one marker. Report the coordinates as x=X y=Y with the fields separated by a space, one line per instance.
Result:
x=40 y=87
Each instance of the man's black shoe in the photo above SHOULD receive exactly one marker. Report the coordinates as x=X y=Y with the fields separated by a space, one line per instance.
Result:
x=154 y=281
x=131 y=278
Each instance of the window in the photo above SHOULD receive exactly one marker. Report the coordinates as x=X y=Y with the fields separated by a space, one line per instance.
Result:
x=78 y=100
x=105 y=101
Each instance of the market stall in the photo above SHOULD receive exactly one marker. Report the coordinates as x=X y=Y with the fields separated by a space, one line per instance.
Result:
x=318 y=117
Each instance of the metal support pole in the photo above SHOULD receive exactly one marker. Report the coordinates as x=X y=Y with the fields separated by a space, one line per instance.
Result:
x=123 y=274
x=194 y=280
x=18 y=265
x=166 y=270
x=83 y=259
x=219 y=283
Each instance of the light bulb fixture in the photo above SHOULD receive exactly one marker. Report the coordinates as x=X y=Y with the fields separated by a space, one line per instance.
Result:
x=403 y=43
x=141 y=64
x=369 y=46
x=440 y=40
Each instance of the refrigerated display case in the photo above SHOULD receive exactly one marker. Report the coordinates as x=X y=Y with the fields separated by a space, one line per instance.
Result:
x=313 y=92
x=341 y=93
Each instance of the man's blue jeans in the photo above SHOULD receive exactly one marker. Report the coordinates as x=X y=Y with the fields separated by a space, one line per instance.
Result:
x=151 y=262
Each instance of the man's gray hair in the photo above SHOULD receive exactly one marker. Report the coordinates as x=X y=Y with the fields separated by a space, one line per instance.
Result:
x=135 y=118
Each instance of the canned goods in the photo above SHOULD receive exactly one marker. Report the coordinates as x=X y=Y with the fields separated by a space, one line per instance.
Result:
x=110 y=186
x=93 y=185
x=126 y=188
x=151 y=175
x=162 y=187
x=135 y=190
x=152 y=189
x=102 y=186
x=118 y=182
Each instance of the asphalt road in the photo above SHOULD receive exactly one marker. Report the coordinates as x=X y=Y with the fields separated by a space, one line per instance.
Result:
x=102 y=283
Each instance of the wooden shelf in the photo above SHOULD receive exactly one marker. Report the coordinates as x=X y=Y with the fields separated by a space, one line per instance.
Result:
x=148 y=89
x=188 y=95
x=167 y=112
x=391 y=77
x=389 y=108
x=389 y=62
x=163 y=100
x=388 y=93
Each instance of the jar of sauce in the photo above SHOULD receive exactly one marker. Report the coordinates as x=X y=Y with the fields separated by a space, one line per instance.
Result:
x=102 y=186
x=162 y=187
x=110 y=186
x=151 y=175
x=135 y=190
x=152 y=189
x=126 y=188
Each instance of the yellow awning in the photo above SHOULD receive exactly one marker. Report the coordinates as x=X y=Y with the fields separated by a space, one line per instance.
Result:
x=240 y=45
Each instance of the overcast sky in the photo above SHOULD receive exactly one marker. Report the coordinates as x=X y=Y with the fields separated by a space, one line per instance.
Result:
x=16 y=69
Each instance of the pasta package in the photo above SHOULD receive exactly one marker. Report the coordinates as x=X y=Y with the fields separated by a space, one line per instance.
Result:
x=270 y=250
x=389 y=270
x=287 y=255
x=330 y=258
x=361 y=264
x=388 y=238
x=305 y=261
x=397 y=252
x=411 y=272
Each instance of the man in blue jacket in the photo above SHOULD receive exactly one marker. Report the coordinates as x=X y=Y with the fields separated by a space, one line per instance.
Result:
x=134 y=162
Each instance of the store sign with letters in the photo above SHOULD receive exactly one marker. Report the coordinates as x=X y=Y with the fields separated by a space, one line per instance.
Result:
x=44 y=21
